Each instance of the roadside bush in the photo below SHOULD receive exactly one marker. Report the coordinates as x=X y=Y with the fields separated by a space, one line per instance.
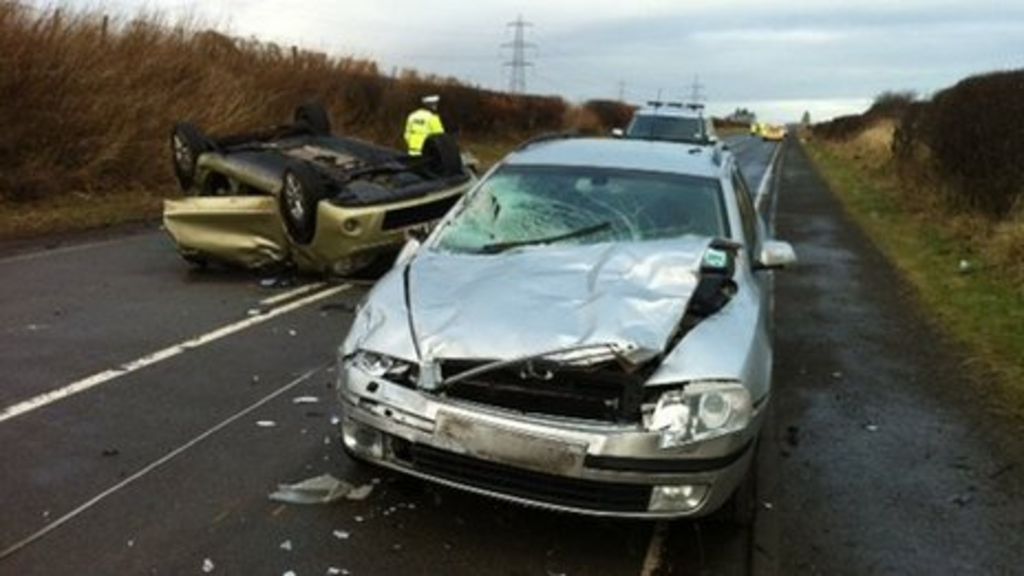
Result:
x=87 y=103
x=974 y=133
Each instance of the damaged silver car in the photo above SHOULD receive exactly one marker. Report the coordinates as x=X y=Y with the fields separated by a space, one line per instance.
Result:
x=589 y=330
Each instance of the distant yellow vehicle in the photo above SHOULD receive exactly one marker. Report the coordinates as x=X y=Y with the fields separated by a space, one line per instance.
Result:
x=755 y=128
x=773 y=133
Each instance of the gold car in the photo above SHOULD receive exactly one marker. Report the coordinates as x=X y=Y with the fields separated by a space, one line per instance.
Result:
x=297 y=196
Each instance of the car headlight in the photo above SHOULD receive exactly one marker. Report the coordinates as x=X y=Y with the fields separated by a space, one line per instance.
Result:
x=700 y=411
x=383 y=366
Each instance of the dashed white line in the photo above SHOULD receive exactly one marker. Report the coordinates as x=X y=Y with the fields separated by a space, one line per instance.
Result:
x=291 y=294
x=156 y=464
x=171 y=351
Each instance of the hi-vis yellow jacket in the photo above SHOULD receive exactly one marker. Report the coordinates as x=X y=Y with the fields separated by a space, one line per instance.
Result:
x=421 y=124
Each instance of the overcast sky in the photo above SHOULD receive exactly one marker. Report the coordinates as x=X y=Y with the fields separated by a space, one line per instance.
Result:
x=778 y=57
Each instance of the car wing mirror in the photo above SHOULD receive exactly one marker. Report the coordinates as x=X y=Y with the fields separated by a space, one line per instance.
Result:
x=775 y=254
x=618 y=133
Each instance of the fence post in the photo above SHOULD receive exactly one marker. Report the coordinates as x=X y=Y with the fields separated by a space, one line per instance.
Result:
x=295 y=53
x=103 y=28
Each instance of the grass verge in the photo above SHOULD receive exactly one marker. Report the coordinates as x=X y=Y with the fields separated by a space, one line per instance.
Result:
x=76 y=212
x=980 y=306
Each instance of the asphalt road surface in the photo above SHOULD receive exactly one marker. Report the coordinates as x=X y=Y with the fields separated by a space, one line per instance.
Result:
x=172 y=415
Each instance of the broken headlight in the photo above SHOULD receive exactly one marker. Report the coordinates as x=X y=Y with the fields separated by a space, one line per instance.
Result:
x=383 y=366
x=700 y=411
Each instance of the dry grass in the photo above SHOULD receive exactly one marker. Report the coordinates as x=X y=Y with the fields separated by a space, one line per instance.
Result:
x=86 y=108
x=968 y=268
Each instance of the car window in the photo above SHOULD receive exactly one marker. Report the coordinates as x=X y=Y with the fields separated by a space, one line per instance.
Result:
x=748 y=214
x=674 y=128
x=525 y=204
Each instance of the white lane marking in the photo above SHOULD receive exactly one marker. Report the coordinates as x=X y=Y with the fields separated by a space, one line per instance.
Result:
x=169 y=352
x=652 y=560
x=763 y=187
x=291 y=294
x=156 y=464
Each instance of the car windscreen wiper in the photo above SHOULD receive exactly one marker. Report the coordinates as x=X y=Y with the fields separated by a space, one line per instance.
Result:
x=502 y=246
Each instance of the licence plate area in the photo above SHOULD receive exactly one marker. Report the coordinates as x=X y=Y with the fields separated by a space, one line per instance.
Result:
x=480 y=439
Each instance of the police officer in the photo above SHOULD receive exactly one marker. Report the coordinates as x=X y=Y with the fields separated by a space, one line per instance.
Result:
x=423 y=123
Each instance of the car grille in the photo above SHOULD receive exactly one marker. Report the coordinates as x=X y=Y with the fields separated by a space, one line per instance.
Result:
x=418 y=214
x=606 y=395
x=529 y=485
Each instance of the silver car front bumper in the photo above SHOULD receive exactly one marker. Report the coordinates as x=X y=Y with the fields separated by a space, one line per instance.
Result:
x=550 y=462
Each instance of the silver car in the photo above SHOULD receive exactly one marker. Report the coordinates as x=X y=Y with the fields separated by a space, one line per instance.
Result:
x=588 y=330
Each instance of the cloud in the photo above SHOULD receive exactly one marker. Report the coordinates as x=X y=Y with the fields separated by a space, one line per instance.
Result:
x=827 y=55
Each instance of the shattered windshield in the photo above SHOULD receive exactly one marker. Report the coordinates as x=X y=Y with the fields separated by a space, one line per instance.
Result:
x=533 y=205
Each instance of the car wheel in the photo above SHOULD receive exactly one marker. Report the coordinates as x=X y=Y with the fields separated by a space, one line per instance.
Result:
x=314 y=119
x=187 y=144
x=301 y=192
x=442 y=157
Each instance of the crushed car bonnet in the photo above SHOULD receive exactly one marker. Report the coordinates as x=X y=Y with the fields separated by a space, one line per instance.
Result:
x=536 y=300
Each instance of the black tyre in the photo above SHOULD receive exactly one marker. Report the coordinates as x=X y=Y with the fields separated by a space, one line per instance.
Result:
x=302 y=189
x=441 y=156
x=187 y=144
x=313 y=118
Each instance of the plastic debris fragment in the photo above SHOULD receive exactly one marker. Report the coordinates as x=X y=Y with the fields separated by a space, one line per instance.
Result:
x=341 y=534
x=266 y=423
x=305 y=400
x=871 y=428
x=360 y=492
x=207 y=566
x=286 y=546
x=322 y=489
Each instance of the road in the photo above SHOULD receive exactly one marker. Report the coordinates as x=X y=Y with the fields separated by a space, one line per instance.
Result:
x=151 y=458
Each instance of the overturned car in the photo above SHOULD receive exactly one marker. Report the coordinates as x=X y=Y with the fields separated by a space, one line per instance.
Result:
x=589 y=330
x=298 y=196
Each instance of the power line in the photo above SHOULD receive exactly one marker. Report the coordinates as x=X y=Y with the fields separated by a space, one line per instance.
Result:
x=518 y=64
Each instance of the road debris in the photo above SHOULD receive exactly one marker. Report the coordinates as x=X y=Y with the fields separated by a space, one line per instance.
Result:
x=335 y=420
x=292 y=332
x=253 y=312
x=792 y=435
x=871 y=428
x=108 y=452
x=286 y=546
x=266 y=423
x=341 y=534
x=289 y=573
x=207 y=566
x=837 y=375
x=305 y=400
x=322 y=489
